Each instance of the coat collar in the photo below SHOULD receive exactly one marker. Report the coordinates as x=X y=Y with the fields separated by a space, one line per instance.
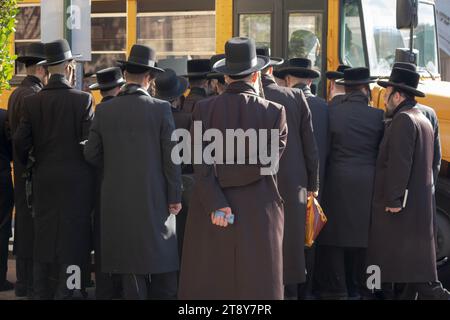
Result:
x=30 y=81
x=198 y=91
x=132 y=88
x=57 y=81
x=241 y=87
x=306 y=89
x=268 y=80
x=405 y=105
x=356 y=96
x=107 y=98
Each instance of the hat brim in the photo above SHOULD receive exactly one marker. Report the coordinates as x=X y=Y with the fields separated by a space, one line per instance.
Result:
x=349 y=83
x=52 y=63
x=196 y=75
x=274 y=61
x=298 y=72
x=261 y=63
x=107 y=86
x=214 y=75
x=411 y=90
x=26 y=59
x=333 y=75
x=173 y=94
x=143 y=66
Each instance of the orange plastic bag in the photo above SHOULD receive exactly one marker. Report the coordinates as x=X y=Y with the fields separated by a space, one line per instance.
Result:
x=315 y=220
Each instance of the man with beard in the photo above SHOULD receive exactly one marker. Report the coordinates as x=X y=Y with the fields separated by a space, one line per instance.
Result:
x=402 y=233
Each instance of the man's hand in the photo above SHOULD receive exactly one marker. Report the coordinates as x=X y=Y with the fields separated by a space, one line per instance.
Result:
x=314 y=194
x=174 y=208
x=393 y=210
x=221 y=221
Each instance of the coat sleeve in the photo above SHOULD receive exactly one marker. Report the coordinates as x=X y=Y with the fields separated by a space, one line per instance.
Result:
x=93 y=150
x=172 y=171
x=23 y=137
x=88 y=116
x=437 y=157
x=210 y=192
x=310 y=150
x=401 y=148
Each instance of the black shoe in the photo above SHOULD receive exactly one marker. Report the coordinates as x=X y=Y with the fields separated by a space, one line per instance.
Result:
x=6 y=286
x=21 y=291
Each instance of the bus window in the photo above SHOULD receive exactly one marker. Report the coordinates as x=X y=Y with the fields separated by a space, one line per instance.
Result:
x=256 y=26
x=28 y=29
x=305 y=37
x=352 y=46
x=178 y=34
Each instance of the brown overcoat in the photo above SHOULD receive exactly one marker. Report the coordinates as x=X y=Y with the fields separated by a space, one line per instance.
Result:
x=402 y=244
x=244 y=260
x=298 y=173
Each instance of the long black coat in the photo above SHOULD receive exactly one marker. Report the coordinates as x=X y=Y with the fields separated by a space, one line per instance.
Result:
x=402 y=244
x=23 y=225
x=6 y=187
x=319 y=113
x=298 y=173
x=131 y=139
x=244 y=260
x=194 y=96
x=355 y=131
x=54 y=123
x=437 y=157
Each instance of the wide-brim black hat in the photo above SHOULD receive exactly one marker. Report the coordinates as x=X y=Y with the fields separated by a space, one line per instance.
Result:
x=300 y=68
x=198 y=68
x=274 y=61
x=356 y=77
x=169 y=86
x=338 y=74
x=57 y=52
x=404 y=79
x=108 y=79
x=141 y=59
x=34 y=53
x=240 y=58
x=212 y=61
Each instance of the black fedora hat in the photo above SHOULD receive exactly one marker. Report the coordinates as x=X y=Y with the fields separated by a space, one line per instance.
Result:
x=213 y=74
x=265 y=51
x=141 y=59
x=57 y=52
x=338 y=74
x=405 y=80
x=240 y=58
x=198 y=68
x=298 y=67
x=108 y=79
x=405 y=65
x=356 y=77
x=34 y=53
x=169 y=86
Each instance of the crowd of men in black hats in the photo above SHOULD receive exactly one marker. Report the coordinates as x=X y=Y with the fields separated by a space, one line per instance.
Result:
x=104 y=180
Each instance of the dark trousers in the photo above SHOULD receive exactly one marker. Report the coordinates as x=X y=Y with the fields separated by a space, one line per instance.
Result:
x=24 y=275
x=161 y=286
x=50 y=282
x=6 y=207
x=340 y=273
x=303 y=291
